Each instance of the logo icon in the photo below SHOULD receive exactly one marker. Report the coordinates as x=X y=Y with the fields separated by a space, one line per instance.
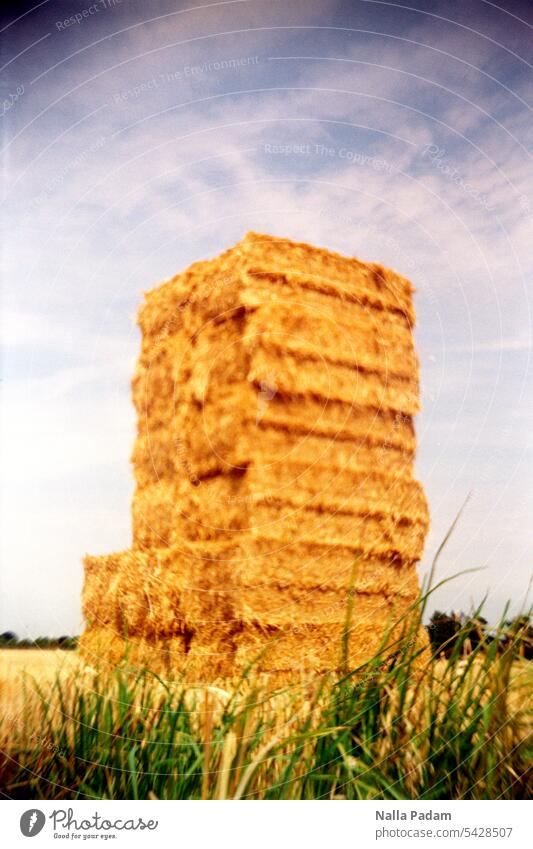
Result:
x=32 y=822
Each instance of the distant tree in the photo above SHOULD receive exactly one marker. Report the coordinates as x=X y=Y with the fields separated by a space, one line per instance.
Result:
x=519 y=634
x=66 y=642
x=10 y=640
x=456 y=632
x=473 y=632
x=443 y=630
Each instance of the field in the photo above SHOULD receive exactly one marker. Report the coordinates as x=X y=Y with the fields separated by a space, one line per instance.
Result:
x=411 y=727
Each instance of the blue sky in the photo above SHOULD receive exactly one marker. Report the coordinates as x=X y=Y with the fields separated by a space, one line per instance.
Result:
x=140 y=137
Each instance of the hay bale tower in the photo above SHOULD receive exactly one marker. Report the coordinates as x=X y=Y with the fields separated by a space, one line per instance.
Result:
x=275 y=394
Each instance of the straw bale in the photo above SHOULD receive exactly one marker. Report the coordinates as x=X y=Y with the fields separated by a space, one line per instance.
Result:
x=215 y=442
x=276 y=652
x=144 y=592
x=217 y=354
x=327 y=271
x=210 y=643
x=283 y=445
x=327 y=504
x=240 y=428
x=212 y=595
x=207 y=289
x=212 y=434
x=160 y=592
x=104 y=646
x=153 y=511
x=164 y=513
x=99 y=572
x=155 y=456
x=155 y=376
x=212 y=509
x=267 y=604
x=274 y=391
x=363 y=491
x=211 y=654
x=325 y=417
x=369 y=534
x=251 y=561
x=271 y=288
x=204 y=590
x=101 y=646
x=311 y=647
x=101 y=576
x=296 y=375
x=309 y=564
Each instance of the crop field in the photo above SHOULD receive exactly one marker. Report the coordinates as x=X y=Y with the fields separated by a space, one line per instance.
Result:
x=417 y=727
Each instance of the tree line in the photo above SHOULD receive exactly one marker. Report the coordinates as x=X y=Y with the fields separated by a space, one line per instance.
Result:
x=9 y=640
x=452 y=633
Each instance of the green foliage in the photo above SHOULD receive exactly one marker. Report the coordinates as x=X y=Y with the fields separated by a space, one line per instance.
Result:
x=447 y=631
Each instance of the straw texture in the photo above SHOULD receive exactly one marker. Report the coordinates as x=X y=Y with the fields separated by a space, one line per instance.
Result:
x=275 y=393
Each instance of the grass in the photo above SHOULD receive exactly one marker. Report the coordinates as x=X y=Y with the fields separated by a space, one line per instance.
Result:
x=403 y=726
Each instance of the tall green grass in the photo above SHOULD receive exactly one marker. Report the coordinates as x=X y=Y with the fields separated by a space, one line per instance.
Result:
x=403 y=726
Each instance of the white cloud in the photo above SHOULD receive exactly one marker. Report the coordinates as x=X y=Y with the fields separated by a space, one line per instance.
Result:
x=182 y=173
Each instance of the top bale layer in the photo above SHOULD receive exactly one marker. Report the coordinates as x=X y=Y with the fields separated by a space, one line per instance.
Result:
x=257 y=257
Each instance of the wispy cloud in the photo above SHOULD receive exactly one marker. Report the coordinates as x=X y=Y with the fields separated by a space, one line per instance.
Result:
x=394 y=135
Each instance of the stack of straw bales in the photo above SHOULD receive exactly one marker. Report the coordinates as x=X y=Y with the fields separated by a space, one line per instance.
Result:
x=275 y=394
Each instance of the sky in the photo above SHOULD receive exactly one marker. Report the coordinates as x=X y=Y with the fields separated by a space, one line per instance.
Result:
x=140 y=137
